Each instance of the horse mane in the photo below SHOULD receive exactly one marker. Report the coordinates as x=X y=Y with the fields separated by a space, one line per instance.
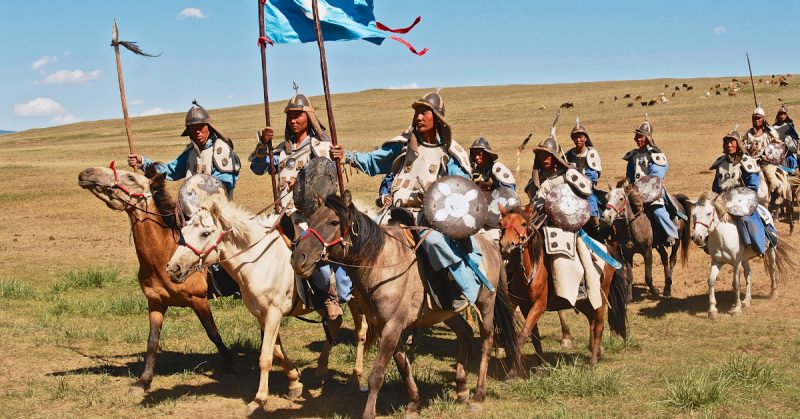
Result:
x=231 y=215
x=366 y=236
x=635 y=199
x=718 y=202
x=165 y=203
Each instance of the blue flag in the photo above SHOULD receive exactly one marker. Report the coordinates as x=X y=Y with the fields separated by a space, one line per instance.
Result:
x=292 y=21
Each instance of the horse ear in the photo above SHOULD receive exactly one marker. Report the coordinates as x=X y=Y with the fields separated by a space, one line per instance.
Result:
x=609 y=185
x=348 y=198
x=216 y=212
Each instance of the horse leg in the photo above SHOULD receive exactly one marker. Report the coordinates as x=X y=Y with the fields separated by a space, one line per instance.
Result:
x=712 y=299
x=536 y=340
x=737 y=308
x=566 y=335
x=748 y=298
x=595 y=319
x=531 y=322
x=668 y=262
x=772 y=264
x=648 y=272
x=390 y=335
x=333 y=326
x=360 y=324
x=292 y=374
x=404 y=368
x=156 y=314
x=203 y=312
x=629 y=278
x=487 y=341
x=463 y=335
x=271 y=322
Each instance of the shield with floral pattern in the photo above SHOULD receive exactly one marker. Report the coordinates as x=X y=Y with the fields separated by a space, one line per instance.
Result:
x=455 y=207
x=500 y=196
x=565 y=209
x=740 y=201
x=649 y=187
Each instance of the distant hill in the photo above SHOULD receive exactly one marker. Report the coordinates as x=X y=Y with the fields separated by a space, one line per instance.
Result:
x=6 y=132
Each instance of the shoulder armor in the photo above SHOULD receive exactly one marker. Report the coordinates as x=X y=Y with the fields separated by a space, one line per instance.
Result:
x=503 y=173
x=629 y=155
x=402 y=138
x=225 y=159
x=578 y=181
x=593 y=160
x=320 y=148
x=659 y=159
x=719 y=161
x=461 y=155
x=749 y=164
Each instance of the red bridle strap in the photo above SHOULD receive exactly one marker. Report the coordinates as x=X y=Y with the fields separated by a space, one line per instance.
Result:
x=619 y=209
x=522 y=234
x=708 y=226
x=325 y=245
x=122 y=188
x=210 y=249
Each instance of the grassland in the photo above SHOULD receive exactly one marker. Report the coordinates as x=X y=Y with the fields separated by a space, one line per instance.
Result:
x=73 y=321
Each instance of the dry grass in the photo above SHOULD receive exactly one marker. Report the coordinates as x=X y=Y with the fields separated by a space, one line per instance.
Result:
x=73 y=322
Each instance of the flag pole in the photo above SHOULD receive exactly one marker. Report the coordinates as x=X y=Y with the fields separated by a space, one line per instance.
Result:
x=128 y=129
x=324 y=67
x=262 y=42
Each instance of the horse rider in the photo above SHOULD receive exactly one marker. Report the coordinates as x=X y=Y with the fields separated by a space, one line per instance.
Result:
x=573 y=270
x=735 y=168
x=210 y=152
x=788 y=134
x=416 y=158
x=755 y=142
x=304 y=138
x=648 y=160
x=488 y=173
x=585 y=158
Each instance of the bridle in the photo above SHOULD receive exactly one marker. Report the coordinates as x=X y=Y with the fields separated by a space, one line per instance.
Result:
x=119 y=186
x=203 y=253
x=323 y=256
x=710 y=222
x=524 y=237
x=621 y=209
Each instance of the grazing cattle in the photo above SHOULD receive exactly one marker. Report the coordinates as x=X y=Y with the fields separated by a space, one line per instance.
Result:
x=630 y=104
x=760 y=80
x=602 y=101
x=735 y=80
x=673 y=94
x=745 y=83
x=627 y=96
x=663 y=99
x=666 y=85
x=783 y=83
x=716 y=86
x=652 y=102
x=718 y=93
x=677 y=88
x=708 y=94
x=615 y=98
x=689 y=88
x=731 y=93
x=644 y=103
x=639 y=97
x=567 y=105
x=542 y=107
x=685 y=85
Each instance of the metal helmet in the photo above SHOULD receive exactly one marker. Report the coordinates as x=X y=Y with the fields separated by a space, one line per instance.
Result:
x=580 y=129
x=782 y=110
x=298 y=102
x=647 y=130
x=550 y=146
x=301 y=103
x=759 y=111
x=199 y=115
x=734 y=135
x=434 y=102
x=483 y=144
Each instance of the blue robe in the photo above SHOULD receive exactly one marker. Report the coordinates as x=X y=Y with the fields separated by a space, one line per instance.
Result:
x=176 y=169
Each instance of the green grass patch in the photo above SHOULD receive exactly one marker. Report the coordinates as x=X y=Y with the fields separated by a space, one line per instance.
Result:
x=566 y=379
x=695 y=390
x=86 y=279
x=753 y=373
x=115 y=306
x=13 y=289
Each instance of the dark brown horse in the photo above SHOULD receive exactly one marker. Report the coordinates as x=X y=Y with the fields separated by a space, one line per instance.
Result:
x=531 y=284
x=390 y=285
x=155 y=235
x=632 y=228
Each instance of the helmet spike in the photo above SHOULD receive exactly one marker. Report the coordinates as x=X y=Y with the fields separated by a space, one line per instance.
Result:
x=577 y=120
x=440 y=88
x=194 y=102
x=736 y=127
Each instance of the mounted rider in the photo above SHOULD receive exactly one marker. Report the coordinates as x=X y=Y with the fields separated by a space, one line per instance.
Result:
x=209 y=151
x=487 y=172
x=755 y=142
x=304 y=139
x=787 y=133
x=574 y=271
x=736 y=169
x=648 y=160
x=415 y=159
x=585 y=158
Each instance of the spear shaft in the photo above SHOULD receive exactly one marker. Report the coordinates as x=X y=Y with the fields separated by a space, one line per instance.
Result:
x=752 y=83
x=263 y=46
x=128 y=129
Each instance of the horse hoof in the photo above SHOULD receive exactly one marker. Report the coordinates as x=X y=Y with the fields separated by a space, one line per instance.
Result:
x=566 y=343
x=736 y=312
x=463 y=398
x=712 y=315
x=252 y=408
x=295 y=392
x=667 y=293
x=654 y=291
x=410 y=415
x=746 y=304
x=773 y=295
x=475 y=407
x=136 y=391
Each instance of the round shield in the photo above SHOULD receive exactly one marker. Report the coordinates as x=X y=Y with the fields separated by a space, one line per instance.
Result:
x=566 y=210
x=774 y=153
x=197 y=189
x=316 y=179
x=650 y=188
x=740 y=201
x=500 y=196
x=455 y=207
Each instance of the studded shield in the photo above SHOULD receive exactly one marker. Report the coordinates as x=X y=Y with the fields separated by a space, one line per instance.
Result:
x=500 y=196
x=740 y=201
x=774 y=153
x=649 y=187
x=316 y=179
x=196 y=190
x=455 y=207
x=565 y=209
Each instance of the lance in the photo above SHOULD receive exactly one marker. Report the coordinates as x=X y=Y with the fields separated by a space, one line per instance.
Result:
x=324 y=67
x=262 y=42
x=749 y=68
x=519 y=152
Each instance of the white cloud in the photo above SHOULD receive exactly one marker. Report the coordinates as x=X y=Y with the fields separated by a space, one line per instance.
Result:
x=413 y=85
x=75 y=76
x=41 y=62
x=155 y=111
x=41 y=106
x=719 y=29
x=136 y=102
x=65 y=119
x=192 y=13
x=231 y=96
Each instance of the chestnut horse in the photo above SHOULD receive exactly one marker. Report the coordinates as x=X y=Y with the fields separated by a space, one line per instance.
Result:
x=390 y=284
x=155 y=236
x=530 y=285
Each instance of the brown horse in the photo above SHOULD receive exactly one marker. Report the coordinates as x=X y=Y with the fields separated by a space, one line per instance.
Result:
x=531 y=284
x=632 y=228
x=155 y=235
x=390 y=284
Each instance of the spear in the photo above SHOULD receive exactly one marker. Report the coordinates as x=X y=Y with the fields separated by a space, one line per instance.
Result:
x=324 y=67
x=751 y=78
x=132 y=47
x=262 y=42
x=519 y=152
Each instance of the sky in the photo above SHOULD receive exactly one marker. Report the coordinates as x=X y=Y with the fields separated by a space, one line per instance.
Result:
x=58 y=66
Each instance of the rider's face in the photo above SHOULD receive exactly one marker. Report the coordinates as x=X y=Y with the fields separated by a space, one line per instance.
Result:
x=424 y=120
x=198 y=133
x=478 y=157
x=731 y=147
x=298 y=122
x=579 y=140
x=545 y=160
x=758 y=120
x=641 y=140
x=782 y=117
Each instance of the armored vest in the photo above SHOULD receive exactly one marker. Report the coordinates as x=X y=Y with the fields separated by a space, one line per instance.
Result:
x=220 y=155
x=641 y=160
x=420 y=168
x=782 y=130
x=290 y=162
x=729 y=173
x=589 y=158
x=756 y=144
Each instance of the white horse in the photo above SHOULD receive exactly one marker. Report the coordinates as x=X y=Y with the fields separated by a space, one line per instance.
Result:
x=258 y=260
x=713 y=228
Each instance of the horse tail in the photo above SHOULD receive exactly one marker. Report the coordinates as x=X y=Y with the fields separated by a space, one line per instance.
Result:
x=686 y=231
x=617 y=305
x=504 y=325
x=784 y=264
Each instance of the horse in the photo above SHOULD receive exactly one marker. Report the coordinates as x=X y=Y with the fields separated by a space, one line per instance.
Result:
x=782 y=201
x=151 y=211
x=632 y=228
x=258 y=260
x=389 y=280
x=715 y=230
x=531 y=284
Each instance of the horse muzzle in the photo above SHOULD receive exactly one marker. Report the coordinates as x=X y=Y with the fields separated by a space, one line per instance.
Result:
x=700 y=240
x=176 y=273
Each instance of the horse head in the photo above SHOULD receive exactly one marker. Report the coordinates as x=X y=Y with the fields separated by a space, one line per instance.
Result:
x=617 y=201
x=327 y=235
x=708 y=211
x=201 y=236
x=120 y=190
x=515 y=228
